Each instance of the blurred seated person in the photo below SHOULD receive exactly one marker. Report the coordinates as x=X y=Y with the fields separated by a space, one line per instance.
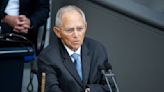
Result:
x=71 y=64
x=23 y=16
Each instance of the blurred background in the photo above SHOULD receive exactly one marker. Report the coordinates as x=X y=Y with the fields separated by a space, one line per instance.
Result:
x=132 y=32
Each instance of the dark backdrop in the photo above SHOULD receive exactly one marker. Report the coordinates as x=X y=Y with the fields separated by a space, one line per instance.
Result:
x=136 y=50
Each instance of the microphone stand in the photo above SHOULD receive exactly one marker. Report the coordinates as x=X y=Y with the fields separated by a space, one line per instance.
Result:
x=110 y=74
x=106 y=79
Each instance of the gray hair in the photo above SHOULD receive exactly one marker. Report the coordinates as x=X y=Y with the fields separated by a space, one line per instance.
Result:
x=68 y=8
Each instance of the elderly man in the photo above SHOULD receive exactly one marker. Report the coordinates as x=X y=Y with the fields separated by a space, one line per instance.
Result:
x=71 y=65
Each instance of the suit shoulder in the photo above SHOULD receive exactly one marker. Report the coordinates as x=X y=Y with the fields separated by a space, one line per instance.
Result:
x=49 y=50
x=93 y=43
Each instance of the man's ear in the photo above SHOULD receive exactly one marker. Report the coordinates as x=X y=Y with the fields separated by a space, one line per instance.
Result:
x=57 y=30
x=86 y=26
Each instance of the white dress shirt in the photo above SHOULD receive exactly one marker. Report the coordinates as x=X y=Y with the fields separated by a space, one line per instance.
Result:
x=70 y=52
x=12 y=8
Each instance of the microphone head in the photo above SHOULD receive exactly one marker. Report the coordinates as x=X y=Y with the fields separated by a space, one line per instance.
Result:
x=108 y=66
x=101 y=67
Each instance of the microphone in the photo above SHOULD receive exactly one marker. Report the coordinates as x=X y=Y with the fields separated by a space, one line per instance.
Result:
x=102 y=69
x=111 y=74
x=108 y=67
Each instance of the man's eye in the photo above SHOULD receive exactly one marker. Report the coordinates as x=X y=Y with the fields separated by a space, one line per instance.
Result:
x=80 y=29
x=69 y=30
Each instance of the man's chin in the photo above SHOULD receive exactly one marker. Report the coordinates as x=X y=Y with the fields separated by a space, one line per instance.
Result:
x=75 y=47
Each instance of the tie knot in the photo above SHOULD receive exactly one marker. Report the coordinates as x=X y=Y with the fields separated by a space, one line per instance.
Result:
x=75 y=56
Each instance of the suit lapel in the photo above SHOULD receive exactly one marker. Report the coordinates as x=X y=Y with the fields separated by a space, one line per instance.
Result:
x=69 y=65
x=71 y=68
x=86 y=60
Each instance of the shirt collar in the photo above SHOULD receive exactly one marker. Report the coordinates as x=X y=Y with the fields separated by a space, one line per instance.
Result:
x=70 y=52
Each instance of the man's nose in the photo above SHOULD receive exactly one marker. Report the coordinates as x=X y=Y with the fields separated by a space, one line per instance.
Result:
x=75 y=32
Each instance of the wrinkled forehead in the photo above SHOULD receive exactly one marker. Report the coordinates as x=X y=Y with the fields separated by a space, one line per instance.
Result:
x=72 y=18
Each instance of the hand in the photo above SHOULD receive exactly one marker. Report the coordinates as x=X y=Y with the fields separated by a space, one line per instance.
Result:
x=23 y=24
x=20 y=24
x=11 y=20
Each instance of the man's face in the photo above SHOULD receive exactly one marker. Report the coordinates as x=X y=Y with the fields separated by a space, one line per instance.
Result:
x=73 y=30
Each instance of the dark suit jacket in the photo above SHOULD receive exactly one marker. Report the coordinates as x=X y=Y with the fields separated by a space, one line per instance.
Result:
x=36 y=10
x=61 y=75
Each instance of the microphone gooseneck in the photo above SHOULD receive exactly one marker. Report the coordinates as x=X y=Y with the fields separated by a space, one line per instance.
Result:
x=110 y=74
x=102 y=69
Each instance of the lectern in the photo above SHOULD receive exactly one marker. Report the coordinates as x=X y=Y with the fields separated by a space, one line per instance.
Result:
x=11 y=67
